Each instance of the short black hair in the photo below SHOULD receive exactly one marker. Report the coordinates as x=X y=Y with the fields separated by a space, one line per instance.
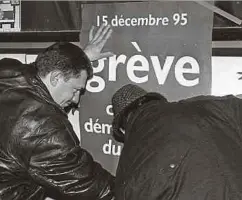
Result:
x=66 y=57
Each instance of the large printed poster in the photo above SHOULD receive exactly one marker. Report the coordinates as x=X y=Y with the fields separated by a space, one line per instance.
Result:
x=225 y=76
x=160 y=46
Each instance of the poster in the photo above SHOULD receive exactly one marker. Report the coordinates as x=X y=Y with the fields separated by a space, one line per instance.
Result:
x=225 y=77
x=161 y=46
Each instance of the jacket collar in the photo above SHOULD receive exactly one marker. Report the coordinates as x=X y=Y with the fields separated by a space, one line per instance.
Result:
x=140 y=116
x=15 y=75
x=43 y=92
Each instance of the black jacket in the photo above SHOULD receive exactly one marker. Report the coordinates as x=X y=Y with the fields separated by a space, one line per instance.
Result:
x=187 y=150
x=39 y=151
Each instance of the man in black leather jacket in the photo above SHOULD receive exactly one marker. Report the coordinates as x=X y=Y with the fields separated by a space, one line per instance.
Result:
x=39 y=152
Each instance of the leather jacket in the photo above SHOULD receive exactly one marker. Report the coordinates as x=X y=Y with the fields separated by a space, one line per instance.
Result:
x=40 y=154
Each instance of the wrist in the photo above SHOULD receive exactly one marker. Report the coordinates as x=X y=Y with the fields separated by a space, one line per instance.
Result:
x=88 y=54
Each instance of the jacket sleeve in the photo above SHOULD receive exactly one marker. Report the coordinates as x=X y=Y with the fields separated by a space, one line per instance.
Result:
x=58 y=162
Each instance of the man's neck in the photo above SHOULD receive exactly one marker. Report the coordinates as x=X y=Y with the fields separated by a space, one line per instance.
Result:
x=46 y=82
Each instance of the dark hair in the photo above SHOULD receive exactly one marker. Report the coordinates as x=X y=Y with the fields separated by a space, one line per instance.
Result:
x=66 y=57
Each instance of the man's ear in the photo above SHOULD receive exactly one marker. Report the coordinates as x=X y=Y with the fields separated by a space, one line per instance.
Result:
x=55 y=77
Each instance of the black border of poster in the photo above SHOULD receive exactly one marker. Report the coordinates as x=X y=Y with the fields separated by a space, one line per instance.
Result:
x=237 y=52
x=230 y=52
x=219 y=34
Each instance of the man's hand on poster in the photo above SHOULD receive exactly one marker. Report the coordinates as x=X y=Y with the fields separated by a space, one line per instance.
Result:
x=97 y=42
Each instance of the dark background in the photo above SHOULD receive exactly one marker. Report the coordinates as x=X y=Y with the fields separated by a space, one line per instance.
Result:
x=62 y=20
x=66 y=15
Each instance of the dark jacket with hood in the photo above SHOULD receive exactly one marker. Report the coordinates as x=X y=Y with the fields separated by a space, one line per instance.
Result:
x=39 y=151
x=187 y=150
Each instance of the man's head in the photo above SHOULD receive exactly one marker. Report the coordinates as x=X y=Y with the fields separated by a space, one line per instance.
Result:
x=64 y=68
x=125 y=102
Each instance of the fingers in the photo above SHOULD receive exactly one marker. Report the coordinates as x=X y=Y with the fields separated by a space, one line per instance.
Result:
x=91 y=33
x=107 y=36
x=103 y=34
x=103 y=39
x=99 y=31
